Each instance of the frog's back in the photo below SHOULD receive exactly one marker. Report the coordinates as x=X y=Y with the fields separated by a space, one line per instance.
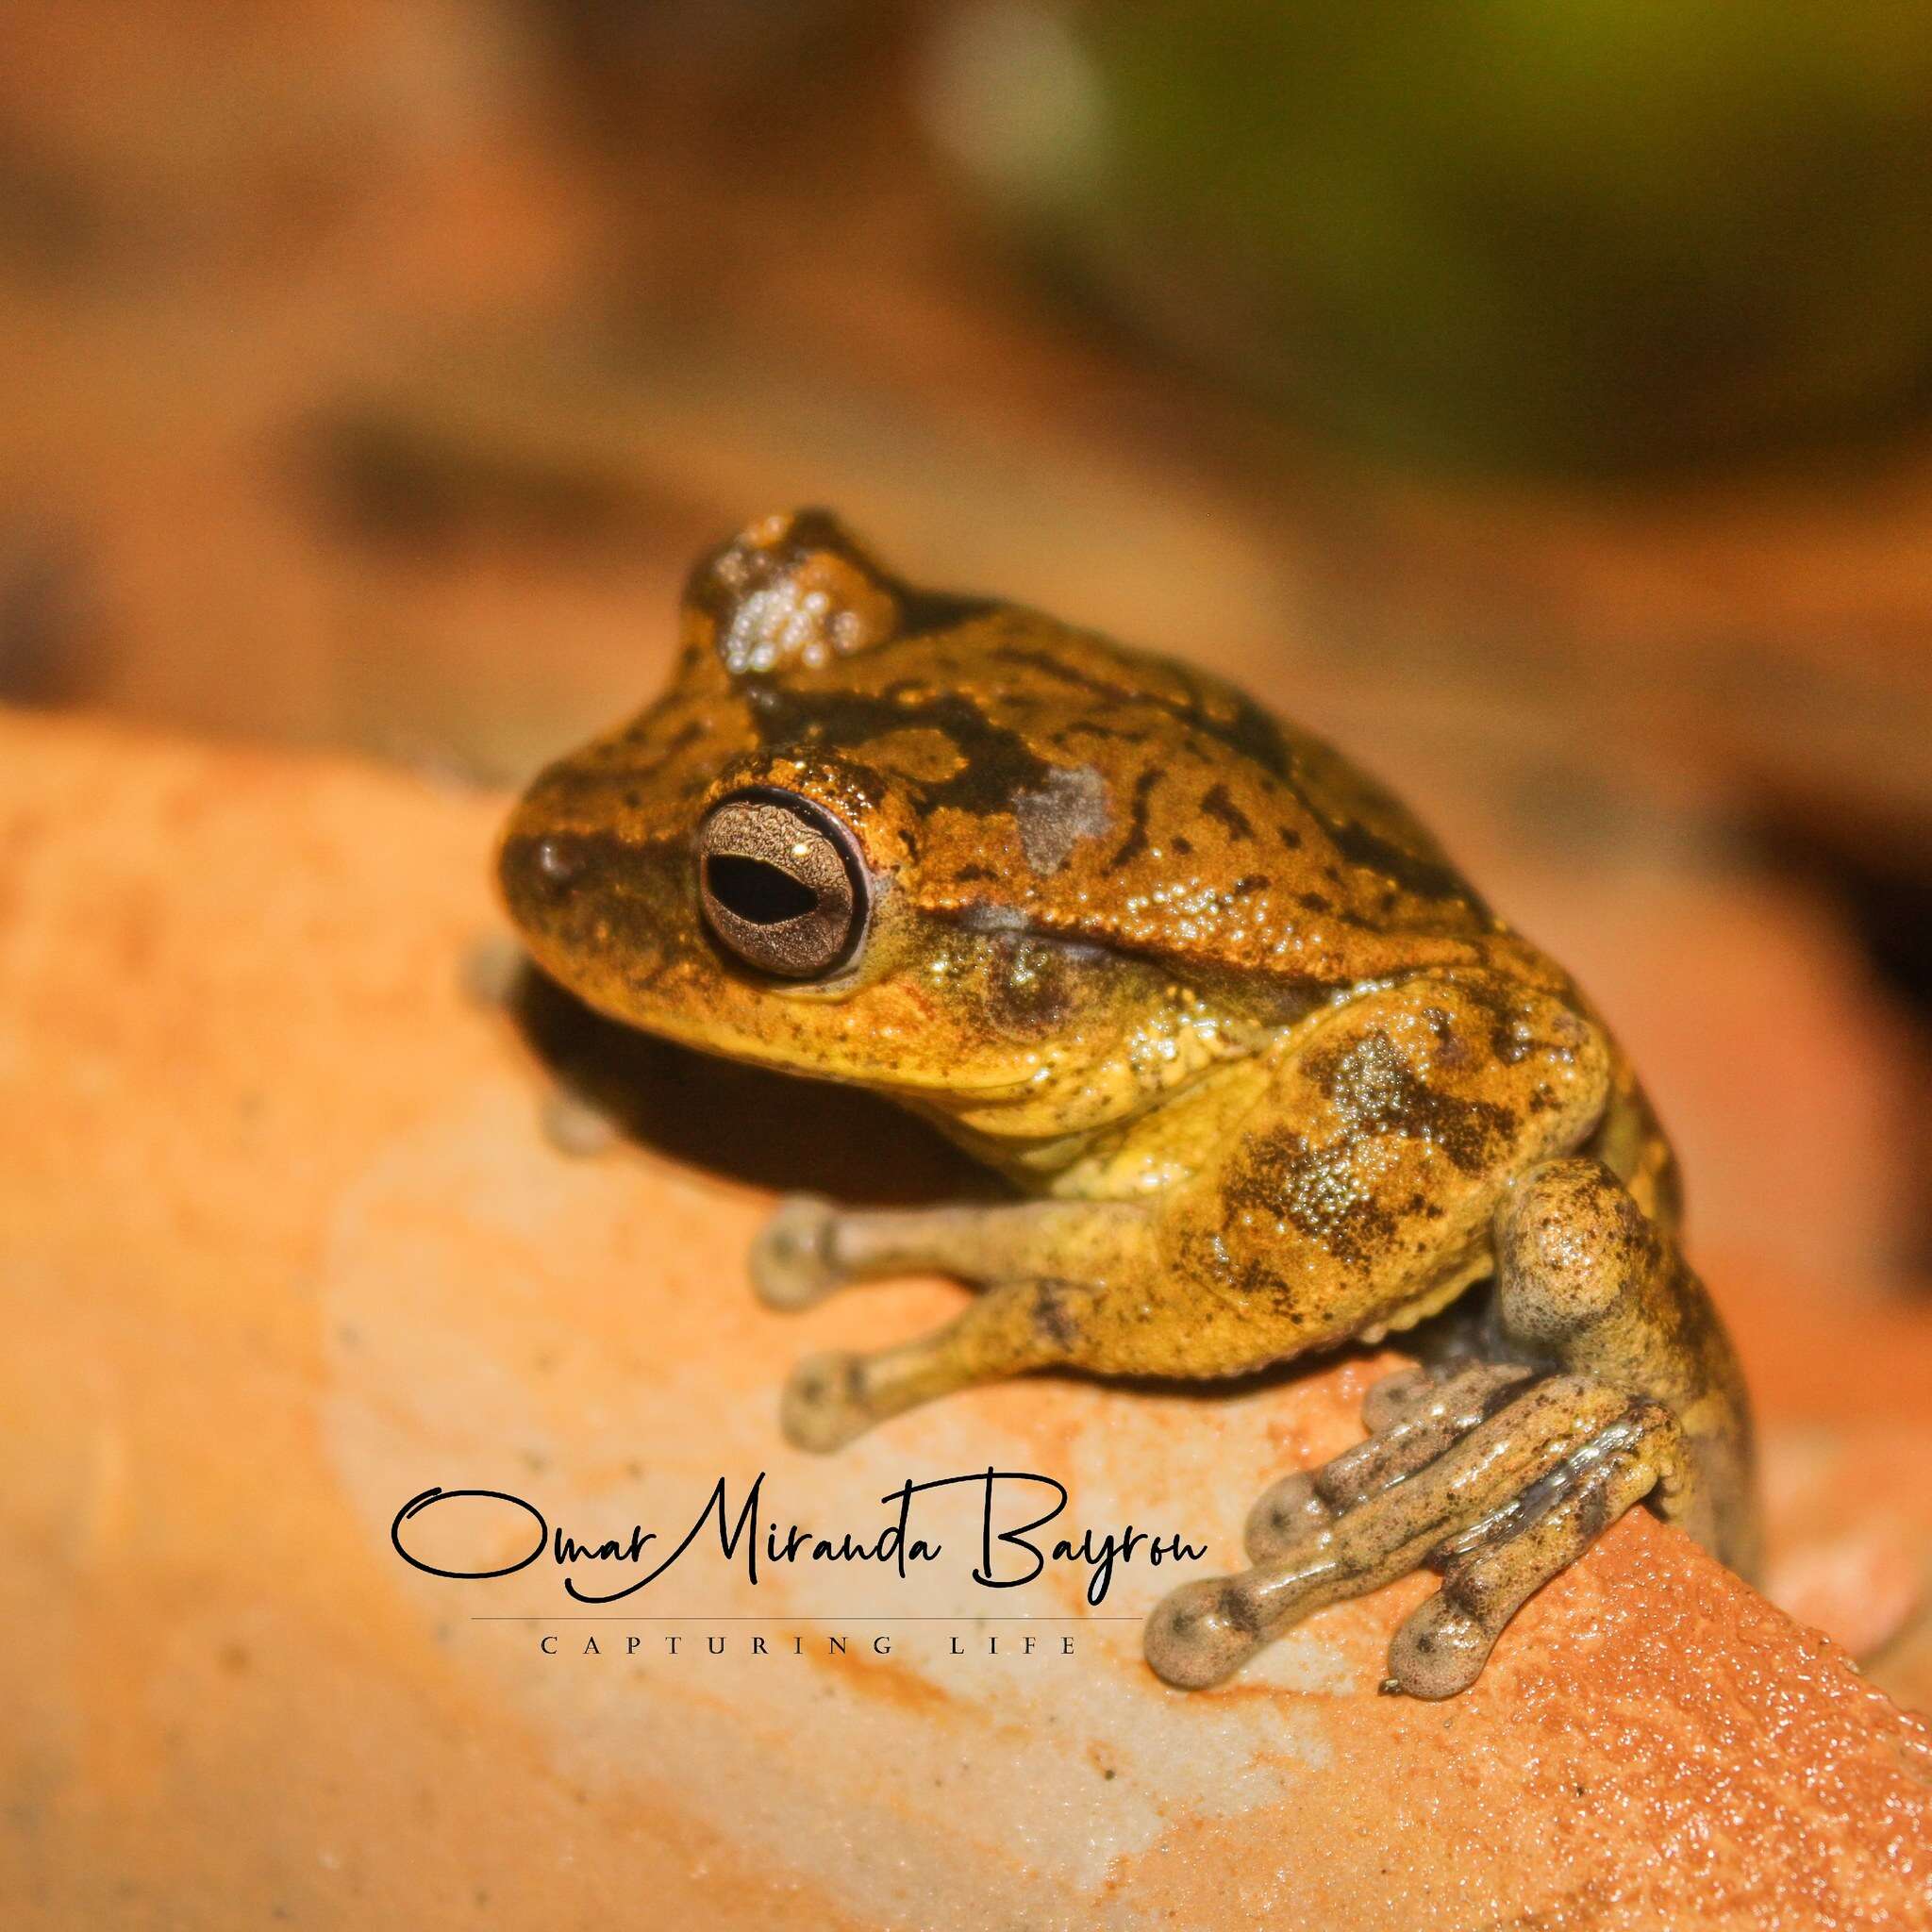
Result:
x=1246 y=843
x=1115 y=796
x=1119 y=798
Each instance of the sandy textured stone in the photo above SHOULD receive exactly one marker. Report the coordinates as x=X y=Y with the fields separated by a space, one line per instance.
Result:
x=282 y=1243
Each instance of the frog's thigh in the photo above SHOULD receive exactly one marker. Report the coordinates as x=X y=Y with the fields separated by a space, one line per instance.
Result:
x=810 y=1247
x=1010 y=1328
x=1359 y=1190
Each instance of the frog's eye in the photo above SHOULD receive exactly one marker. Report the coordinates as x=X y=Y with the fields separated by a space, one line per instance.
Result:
x=781 y=884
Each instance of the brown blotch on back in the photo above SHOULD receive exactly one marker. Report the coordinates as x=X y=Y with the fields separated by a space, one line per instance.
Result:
x=1377 y=1090
x=1218 y=804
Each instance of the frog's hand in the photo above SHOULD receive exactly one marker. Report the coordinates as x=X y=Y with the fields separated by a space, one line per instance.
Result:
x=810 y=1247
x=1502 y=1476
x=1042 y=1265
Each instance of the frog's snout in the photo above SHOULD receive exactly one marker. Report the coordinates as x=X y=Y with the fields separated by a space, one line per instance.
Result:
x=582 y=897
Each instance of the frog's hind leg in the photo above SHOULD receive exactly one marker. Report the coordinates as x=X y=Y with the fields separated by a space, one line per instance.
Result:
x=1622 y=1388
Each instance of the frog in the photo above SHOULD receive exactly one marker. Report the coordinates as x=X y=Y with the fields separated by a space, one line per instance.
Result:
x=1265 y=1076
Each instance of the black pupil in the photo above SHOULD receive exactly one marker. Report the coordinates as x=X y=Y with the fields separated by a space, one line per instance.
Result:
x=760 y=894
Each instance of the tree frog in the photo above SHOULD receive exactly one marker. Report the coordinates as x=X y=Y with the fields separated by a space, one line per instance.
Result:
x=1266 y=1072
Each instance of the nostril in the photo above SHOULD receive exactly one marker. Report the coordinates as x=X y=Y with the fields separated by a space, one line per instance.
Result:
x=759 y=893
x=556 y=861
x=539 y=870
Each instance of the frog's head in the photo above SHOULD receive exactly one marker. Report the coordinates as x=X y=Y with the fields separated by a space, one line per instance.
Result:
x=816 y=850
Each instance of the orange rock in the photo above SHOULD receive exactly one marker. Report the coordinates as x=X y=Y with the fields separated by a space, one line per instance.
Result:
x=284 y=1246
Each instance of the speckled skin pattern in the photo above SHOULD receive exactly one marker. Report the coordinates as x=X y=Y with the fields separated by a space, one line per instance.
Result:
x=1268 y=1071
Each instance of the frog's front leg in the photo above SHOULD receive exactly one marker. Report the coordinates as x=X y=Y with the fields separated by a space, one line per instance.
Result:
x=1623 y=1388
x=1043 y=1264
x=1013 y=1327
x=810 y=1247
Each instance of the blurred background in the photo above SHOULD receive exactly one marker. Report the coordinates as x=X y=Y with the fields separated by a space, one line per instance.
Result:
x=1533 y=400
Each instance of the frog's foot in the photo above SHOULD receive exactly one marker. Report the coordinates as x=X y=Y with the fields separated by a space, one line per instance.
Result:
x=492 y=967
x=575 y=1125
x=792 y=1260
x=1490 y=1575
x=825 y=1404
x=1413 y=1417
x=1499 y=1504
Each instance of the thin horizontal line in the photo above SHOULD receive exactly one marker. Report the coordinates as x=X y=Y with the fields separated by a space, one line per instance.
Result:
x=787 y=1617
